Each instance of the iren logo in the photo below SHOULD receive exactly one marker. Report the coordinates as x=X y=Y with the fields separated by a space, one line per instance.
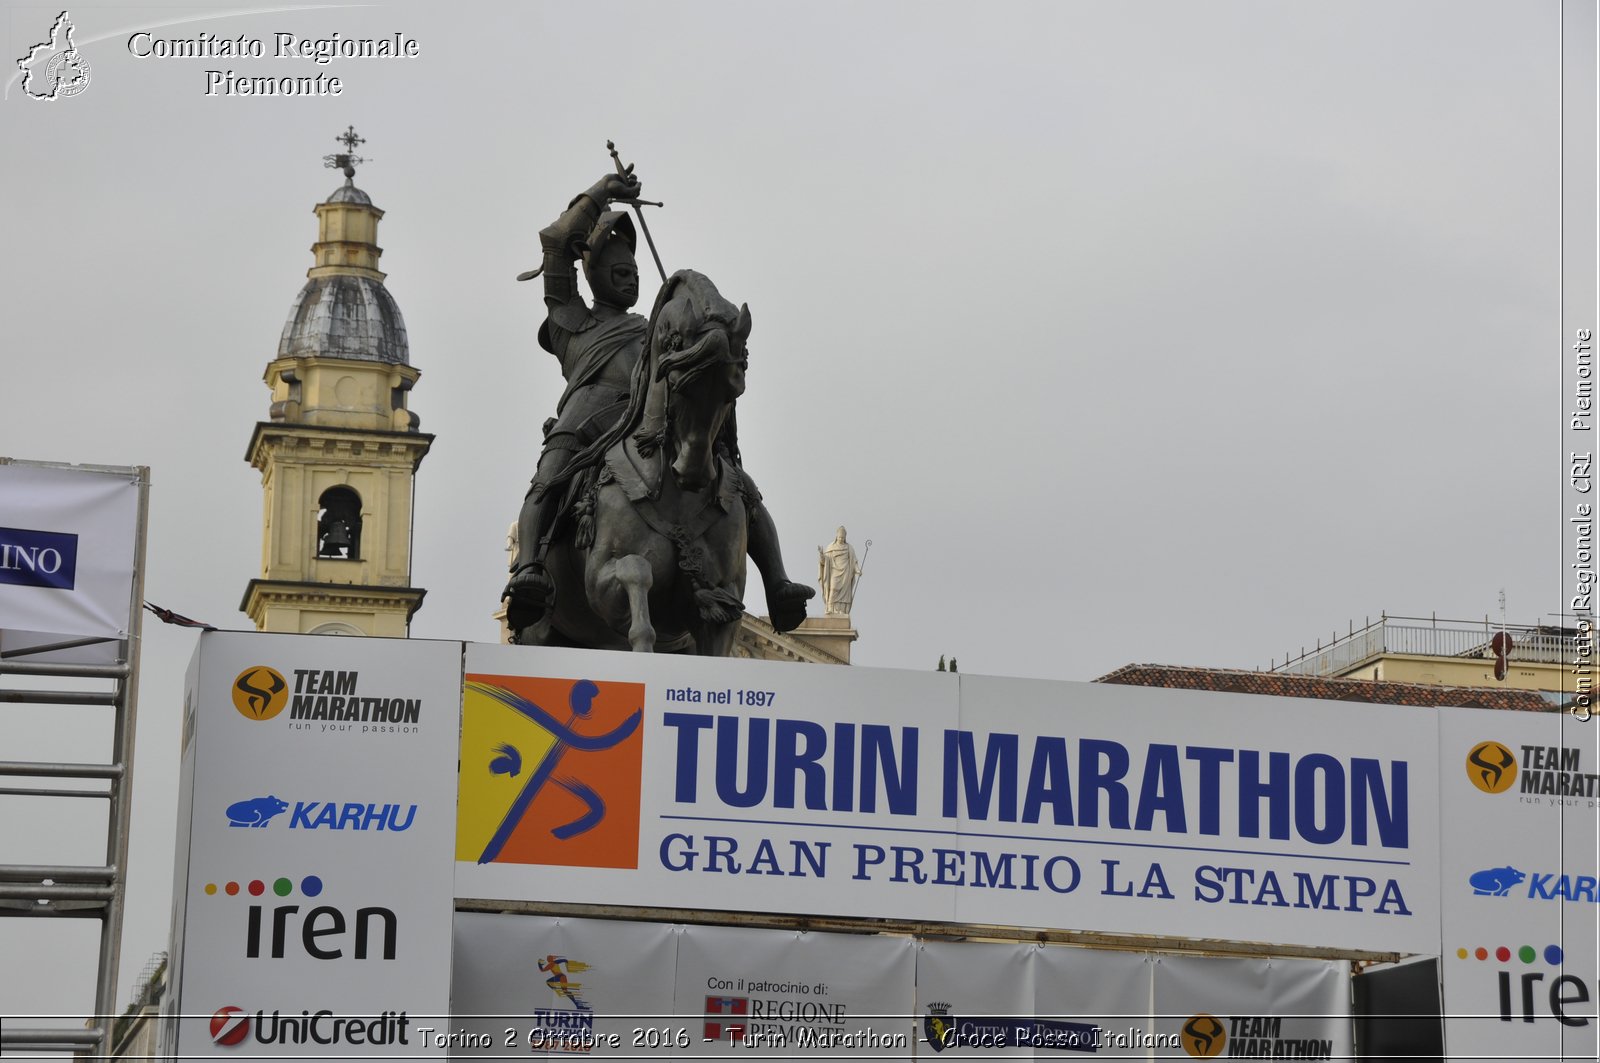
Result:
x=1525 y=996
x=1491 y=767
x=260 y=693
x=323 y=932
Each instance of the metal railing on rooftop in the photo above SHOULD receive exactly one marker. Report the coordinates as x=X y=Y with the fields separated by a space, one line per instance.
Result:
x=1430 y=637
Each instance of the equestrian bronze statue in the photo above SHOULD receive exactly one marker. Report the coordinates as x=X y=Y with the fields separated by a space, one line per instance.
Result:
x=634 y=532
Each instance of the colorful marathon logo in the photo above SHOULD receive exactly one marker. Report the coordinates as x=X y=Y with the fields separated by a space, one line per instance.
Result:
x=260 y=693
x=560 y=971
x=1492 y=767
x=539 y=789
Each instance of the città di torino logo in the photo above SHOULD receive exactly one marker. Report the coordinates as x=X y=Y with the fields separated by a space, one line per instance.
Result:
x=38 y=558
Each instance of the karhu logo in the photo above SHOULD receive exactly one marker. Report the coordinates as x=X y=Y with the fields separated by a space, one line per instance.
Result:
x=351 y=815
x=323 y=815
x=256 y=812
x=260 y=693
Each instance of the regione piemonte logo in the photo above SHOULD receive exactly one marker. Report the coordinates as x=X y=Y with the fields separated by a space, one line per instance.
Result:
x=260 y=693
x=54 y=69
x=544 y=786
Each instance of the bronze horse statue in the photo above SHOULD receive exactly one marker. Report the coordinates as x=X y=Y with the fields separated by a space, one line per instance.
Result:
x=652 y=555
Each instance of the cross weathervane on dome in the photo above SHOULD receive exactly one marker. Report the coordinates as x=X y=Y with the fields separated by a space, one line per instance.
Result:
x=347 y=160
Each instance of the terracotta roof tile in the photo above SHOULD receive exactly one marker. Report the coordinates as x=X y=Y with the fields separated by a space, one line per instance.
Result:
x=1281 y=684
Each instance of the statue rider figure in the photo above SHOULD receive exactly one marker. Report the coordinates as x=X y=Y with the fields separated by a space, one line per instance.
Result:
x=598 y=348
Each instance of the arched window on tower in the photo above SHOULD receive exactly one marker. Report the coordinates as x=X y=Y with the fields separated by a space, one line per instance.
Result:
x=339 y=524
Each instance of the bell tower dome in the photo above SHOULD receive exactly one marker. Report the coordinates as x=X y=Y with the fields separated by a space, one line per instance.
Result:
x=339 y=454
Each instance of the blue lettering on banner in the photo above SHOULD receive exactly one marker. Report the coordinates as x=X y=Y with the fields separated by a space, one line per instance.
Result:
x=332 y=815
x=1046 y=780
x=38 y=558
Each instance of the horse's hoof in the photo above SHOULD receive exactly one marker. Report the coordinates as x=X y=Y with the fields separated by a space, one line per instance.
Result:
x=786 y=604
x=528 y=597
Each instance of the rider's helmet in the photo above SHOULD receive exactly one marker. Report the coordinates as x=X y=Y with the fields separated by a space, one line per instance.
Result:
x=608 y=260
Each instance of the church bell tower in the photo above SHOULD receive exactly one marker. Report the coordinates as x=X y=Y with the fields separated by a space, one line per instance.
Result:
x=339 y=455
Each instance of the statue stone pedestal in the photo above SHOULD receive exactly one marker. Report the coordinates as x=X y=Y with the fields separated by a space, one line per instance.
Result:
x=832 y=634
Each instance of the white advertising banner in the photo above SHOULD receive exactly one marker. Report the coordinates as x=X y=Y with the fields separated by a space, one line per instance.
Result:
x=542 y=986
x=1518 y=877
x=1109 y=991
x=699 y=783
x=316 y=908
x=789 y=993
x=982 y=1000
x=1191 y=813
x=528 y=985
x=1251 y=1008
x=753 y=786
x=68 y=536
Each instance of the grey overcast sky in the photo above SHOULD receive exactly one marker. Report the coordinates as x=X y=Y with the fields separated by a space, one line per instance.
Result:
x=1127 y=331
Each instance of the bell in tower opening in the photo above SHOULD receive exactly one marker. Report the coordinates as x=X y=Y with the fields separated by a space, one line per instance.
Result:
x=339 y=524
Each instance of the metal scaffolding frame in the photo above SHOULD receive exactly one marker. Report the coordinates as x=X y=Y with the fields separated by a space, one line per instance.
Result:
x=76 y=892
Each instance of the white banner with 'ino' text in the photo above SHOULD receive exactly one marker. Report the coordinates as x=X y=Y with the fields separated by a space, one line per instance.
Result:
x=68 y=538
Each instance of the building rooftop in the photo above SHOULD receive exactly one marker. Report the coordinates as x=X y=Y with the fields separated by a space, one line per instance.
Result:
x=345 y=316
x=349 y=193
x=1286 y=685
x=1430 y=637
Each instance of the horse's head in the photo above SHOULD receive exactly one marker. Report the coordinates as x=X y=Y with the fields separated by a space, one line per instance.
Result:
x=696 y=346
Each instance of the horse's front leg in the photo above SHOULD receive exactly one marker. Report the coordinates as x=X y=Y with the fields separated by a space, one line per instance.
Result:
x=632 y=573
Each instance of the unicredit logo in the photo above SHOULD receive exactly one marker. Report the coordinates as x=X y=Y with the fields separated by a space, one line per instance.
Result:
x=229 y=1026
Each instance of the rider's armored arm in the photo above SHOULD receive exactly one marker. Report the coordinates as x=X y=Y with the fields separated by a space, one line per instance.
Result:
x=561 y=242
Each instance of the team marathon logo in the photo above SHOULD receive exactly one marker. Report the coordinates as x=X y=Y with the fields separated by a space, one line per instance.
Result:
x=1550 y=771
x=321 y=815
x=232 y=1025
x=540 y=789
x=260 y=693
x=1205 y=1036
x=943 y=1029
x=322 y=700
x=54 y=69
